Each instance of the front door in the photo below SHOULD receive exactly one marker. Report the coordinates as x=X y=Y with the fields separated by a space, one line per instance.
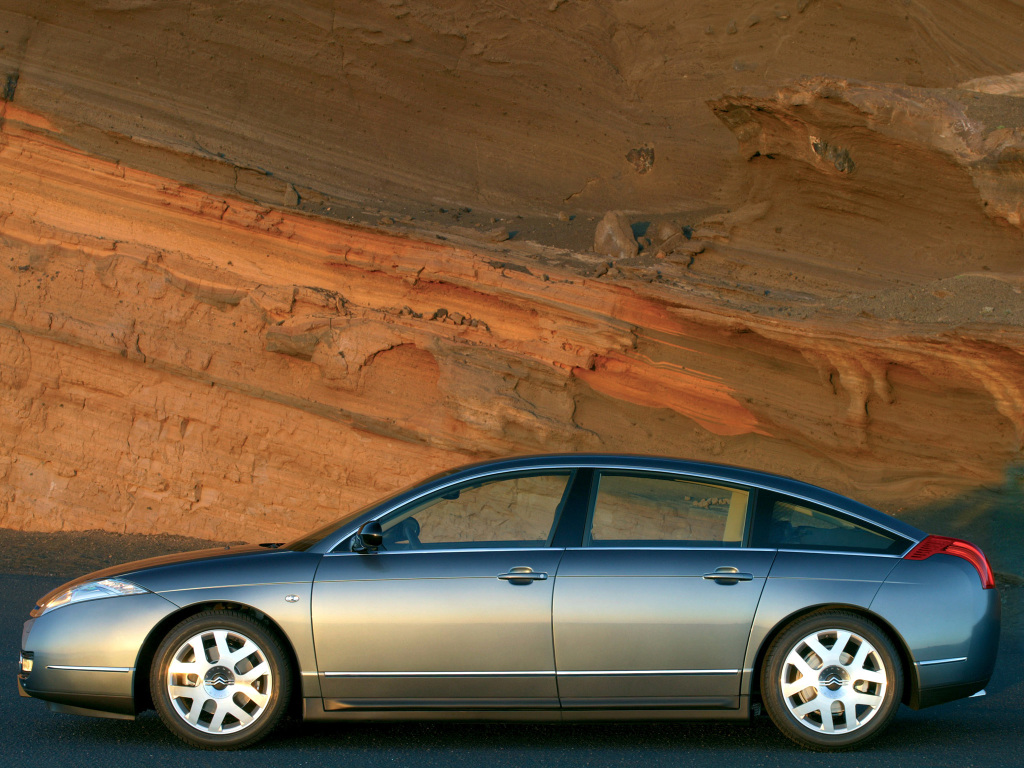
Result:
x=454 y=611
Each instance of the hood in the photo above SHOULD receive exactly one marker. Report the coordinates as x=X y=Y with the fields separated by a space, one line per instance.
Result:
x=137 y=566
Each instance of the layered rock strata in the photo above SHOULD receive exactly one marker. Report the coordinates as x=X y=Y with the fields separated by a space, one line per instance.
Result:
x=174 y=360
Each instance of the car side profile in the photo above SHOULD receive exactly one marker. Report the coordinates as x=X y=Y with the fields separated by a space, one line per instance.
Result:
x=544 y=588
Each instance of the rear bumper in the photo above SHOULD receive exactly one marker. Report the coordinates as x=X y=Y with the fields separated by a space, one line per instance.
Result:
x=960 y=677
x=929 y=697
x=948 y=625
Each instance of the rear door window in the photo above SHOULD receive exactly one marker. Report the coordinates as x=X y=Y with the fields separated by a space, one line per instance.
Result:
x=637 y=510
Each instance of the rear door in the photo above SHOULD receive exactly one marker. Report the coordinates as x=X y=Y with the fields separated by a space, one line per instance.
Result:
x=655 y=608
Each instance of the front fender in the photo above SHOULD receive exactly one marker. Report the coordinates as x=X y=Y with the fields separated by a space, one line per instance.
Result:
x=84 y=654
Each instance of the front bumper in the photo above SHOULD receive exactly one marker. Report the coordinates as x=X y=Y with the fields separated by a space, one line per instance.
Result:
x=84 y=654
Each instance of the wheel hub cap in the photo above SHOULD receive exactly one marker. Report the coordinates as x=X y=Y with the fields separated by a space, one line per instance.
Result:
x=218 y=680
x=832 y=679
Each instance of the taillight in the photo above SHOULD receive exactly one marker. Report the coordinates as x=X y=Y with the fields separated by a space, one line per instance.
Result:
x=943 y=545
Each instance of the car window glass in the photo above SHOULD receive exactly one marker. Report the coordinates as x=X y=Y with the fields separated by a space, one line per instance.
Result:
x=799 y=526
x=643 y=510
x=516 y=511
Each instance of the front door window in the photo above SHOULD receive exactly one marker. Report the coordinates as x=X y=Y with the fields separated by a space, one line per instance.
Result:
x=519 y=511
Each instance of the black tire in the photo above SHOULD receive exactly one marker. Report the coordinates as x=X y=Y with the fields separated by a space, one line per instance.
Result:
x=237 y=702
x=840 y=698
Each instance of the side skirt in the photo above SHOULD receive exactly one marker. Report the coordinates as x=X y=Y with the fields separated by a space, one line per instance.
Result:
x=325 y=710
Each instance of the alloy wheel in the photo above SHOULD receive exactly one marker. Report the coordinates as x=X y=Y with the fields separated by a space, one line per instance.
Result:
x=833 y=681
x=219 y=681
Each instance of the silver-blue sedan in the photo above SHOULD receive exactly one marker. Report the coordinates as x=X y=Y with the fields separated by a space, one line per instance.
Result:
x=545 y=588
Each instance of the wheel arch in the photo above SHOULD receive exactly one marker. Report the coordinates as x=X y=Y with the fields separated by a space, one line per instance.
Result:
x=141 y=693
x=911 y=683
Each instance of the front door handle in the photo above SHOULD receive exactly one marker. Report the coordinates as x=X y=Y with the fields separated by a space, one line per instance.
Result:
x=727 y=574
x=522 y=573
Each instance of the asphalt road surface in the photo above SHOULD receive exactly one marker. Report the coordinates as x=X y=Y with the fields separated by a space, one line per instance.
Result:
x=985 y=731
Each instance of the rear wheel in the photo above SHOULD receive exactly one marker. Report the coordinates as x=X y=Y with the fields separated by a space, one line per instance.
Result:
x=220 y=680
x=832 y=680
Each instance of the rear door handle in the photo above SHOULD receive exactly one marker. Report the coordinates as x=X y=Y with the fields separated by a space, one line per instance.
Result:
x=727 y=573
x=523 y=573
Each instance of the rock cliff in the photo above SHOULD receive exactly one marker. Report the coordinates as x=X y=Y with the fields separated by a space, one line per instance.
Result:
x=223 y=315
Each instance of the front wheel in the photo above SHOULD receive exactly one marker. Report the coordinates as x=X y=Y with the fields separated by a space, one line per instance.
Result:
x=832 y=680
x=220 y=680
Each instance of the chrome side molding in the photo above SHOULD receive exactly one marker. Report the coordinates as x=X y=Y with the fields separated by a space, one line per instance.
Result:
x=523 y=673
x=941 y=661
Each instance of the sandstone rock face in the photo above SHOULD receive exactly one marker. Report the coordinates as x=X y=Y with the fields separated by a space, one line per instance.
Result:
x=177 y=361
x=912 y=170
x=458 y=101
x=263 y=262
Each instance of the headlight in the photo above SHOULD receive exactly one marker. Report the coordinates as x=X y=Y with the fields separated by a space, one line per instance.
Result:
x=90 y=590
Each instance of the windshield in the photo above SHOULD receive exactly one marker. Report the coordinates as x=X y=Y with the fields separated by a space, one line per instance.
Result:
x=307 y=540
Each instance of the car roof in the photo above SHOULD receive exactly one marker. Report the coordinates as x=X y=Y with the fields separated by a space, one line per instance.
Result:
x=698 y=469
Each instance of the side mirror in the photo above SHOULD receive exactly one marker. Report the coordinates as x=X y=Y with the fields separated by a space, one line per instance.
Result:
x=368 y=538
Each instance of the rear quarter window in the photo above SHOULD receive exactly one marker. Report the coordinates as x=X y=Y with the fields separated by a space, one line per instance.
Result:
x=785 y=523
